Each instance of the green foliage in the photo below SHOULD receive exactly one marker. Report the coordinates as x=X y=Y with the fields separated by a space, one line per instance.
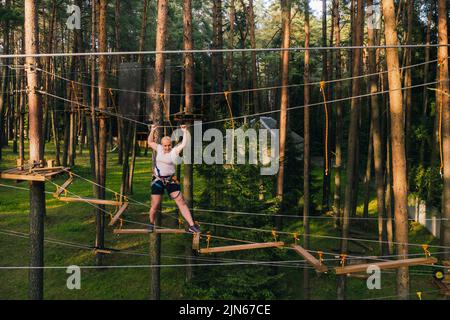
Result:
x=426 y=184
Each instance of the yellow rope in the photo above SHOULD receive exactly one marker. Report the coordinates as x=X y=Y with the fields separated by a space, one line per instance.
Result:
x=227 y=98
x=322 y=89
x=441 y=151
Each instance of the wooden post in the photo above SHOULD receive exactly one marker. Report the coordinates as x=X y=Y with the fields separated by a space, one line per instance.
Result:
x=37 y=189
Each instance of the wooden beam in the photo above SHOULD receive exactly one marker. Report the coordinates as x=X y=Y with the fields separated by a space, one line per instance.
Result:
x=62 y=188
x=310 y=258
x=102 y=251
x=394 y=264
x=93 y=201
x=21 y=177
x=196 y=242
x=241 y=247
x=173 y=231
x=51 y=169
x=118 y=214
x=131 y=231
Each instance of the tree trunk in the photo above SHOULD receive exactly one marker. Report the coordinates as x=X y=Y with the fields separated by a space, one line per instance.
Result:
x=398 y=147
x=157 y=118
x=306 y=155
x=426 y=69
x=443 y=102
x=339 y=120
x=251 y=22
x=373 y=39
x=368 y=175
x=407 y=81
x=352 y=173
x=326 y=161
x=37 y=189
x=188 y=188
x=286 y=18
x=102 y=105
x=4 y=83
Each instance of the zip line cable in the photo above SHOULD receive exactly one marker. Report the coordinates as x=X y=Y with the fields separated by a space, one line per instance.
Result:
x=241 y=90
x=212 y=51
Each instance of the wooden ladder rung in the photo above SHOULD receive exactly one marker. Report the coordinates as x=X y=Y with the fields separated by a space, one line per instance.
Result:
x=241 y=247
x=310 y=258
x=131 y=231
x=394 y=264
x=62 y=188
x=118 y=214
x=93 y=201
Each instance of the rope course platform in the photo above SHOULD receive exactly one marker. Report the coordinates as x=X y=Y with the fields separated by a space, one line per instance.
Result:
x=185 y=117
x=33 y=171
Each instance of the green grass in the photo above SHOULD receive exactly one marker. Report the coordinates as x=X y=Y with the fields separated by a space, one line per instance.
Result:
x=75 y=223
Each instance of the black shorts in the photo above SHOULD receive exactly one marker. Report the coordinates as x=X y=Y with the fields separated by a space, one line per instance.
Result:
x=158 y=187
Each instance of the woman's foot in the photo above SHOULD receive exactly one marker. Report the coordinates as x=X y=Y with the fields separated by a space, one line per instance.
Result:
x=194 y=229
x=151 y=227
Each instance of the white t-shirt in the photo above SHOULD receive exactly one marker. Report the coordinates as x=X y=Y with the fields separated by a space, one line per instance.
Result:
x=164 y=162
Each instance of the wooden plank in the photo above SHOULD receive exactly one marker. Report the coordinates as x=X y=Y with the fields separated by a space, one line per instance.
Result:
x=173 y=231
x=310 y=258
x=21 y=177
x=131 y=231
x=102 y=251
x=118 y=214
x=241 y=247
x=93 y=201
x=61 y=189
x=49 y=169
x=394 y=264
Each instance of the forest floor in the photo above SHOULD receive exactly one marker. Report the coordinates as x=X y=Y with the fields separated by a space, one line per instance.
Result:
x=74 y=224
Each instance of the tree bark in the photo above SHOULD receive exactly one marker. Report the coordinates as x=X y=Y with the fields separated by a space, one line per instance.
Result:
x=188 y=178
x=102 y=105
x=286 y=18
x=373 y=39
x=352 y=173
x=426 y=69
x=306 y=154
x=157 y=118
x=339 y=120
x=443 y=102
x=37 y=189
x=398 y=147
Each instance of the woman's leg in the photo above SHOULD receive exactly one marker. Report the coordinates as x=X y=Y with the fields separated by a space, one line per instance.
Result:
x=184 y=209
x=156 y=202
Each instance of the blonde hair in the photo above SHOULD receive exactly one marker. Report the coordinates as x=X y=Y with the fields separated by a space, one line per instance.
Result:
x=166 y=138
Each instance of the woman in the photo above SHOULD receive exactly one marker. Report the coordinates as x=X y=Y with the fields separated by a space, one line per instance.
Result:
x=164 y=177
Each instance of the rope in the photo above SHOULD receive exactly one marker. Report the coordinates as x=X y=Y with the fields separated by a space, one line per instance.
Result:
x=255 y=114
x=243 y=90
x=154 y=52
x=322 y=89
x=227 y=98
